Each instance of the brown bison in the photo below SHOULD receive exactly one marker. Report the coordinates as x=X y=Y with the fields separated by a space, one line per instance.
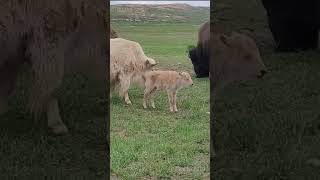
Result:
x=54 y=38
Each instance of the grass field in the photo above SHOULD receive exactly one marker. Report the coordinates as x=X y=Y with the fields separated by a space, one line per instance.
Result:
x=269 y=129
x=154 y=143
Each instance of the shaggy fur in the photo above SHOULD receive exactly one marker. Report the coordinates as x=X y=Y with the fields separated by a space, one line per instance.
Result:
x=170 y=81
x=127 y=64
x=50 y=36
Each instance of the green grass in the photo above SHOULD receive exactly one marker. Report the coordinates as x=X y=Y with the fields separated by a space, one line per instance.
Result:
x=155 y=143
x=269 y=129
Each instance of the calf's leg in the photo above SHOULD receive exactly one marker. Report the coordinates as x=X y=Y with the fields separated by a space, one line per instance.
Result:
x=174 y=94
x=152 y=97
x=170 y=97
x=146 y=97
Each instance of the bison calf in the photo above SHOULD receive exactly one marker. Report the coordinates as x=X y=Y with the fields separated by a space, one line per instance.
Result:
x=171 y=81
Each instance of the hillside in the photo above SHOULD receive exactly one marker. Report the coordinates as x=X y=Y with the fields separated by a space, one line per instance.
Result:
x=159 y=13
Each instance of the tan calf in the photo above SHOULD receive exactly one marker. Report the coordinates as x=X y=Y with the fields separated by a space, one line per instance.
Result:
x=171 y=81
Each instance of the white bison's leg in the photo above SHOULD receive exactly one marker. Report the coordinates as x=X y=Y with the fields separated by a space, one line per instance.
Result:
x=8 y=77
x=3 y=96
x=124 y=87
x=54 y=120
x=174 y=94
x=47 y=60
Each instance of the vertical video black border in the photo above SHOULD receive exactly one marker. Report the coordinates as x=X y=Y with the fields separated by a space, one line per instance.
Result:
x=107 y=123
x=212 y=134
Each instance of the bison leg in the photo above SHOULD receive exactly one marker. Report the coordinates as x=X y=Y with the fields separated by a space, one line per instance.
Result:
x=8 y=77
x=124 y=87
x=145 y=99
x=146 y=96
x=152 y=98
x=170 y=97
x=174 y=94
x=54 y=120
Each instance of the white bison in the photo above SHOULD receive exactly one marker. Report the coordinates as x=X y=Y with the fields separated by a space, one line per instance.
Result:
x=54 y=38
x=127 y=63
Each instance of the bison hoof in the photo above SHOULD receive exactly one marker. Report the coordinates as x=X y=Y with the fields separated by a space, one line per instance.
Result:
x=128 y=102
x=59 y=130
x=153 y=107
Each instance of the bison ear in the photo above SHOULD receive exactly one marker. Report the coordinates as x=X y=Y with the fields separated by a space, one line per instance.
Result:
x=225 y=40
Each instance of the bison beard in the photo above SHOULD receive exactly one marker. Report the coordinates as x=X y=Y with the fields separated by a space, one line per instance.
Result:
x=200 y=61
x=200 y=55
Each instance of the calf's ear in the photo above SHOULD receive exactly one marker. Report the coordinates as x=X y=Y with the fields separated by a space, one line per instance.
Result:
x=147 y=63
x=150 y=63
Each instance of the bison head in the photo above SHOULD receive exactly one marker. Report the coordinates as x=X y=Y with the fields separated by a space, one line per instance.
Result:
x=200 y=61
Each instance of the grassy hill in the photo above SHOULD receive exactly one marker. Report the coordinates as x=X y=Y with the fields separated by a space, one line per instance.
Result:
x=159 y=13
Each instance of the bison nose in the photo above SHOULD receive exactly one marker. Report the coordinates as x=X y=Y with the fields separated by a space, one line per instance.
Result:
x=192 y=84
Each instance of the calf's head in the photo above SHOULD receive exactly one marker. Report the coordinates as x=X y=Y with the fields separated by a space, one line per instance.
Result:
x=185 y=79
x=149 y=64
